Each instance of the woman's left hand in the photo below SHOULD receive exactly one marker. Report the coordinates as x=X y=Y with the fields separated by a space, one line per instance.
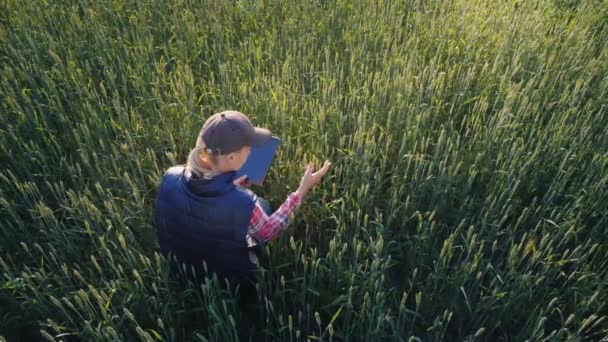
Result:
x=242 y=181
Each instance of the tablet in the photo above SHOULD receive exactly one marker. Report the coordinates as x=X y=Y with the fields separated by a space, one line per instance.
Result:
x=258 y=163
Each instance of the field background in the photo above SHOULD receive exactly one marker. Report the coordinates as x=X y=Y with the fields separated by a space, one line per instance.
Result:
x=467 y=200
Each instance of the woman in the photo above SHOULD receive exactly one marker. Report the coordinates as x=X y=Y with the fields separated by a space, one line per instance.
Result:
x=204 y=214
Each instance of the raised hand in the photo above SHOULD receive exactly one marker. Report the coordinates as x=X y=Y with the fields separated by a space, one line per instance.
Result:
x=310 y=179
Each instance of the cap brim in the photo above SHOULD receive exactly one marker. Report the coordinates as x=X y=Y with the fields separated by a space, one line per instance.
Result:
x=260 y=136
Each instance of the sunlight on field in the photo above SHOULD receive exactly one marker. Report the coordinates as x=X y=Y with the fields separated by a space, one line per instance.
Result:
x=467 y=198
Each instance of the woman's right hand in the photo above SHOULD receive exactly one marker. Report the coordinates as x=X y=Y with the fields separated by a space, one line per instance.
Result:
x=310 y=178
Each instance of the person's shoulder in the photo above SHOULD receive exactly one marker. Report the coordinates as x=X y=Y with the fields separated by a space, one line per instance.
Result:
x=174 y=170
x=171 y=175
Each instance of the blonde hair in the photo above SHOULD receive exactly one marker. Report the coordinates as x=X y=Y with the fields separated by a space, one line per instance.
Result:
x=195 y=155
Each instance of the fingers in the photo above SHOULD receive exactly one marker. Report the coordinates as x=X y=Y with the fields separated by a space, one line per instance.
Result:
x=326 y=166
x=323 y=170
x=309 y=168
x=320 y=173
x=241 y=180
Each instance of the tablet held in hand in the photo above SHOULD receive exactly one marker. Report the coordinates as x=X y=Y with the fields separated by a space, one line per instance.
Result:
x=258 y=163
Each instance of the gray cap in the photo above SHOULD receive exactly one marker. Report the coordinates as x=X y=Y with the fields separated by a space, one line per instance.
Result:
x=229 y=131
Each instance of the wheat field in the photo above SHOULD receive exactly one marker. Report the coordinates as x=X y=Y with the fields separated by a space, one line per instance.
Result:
x=468 y=197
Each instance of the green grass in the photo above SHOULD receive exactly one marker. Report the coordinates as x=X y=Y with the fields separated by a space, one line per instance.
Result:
x=468 y=198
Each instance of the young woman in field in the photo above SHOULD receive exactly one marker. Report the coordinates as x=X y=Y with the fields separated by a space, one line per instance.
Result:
x=204 y=214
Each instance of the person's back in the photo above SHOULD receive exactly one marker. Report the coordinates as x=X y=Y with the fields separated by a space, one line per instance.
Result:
x=196 y=221
x=204 y=216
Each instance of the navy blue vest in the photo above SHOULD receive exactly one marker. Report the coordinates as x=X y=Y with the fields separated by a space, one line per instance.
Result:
x=205 y=219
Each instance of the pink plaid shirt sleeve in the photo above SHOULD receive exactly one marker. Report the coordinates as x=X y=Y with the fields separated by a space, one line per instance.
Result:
x=263 y=228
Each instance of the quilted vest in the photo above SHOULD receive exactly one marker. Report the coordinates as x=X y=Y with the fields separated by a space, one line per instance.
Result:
x=205 y=219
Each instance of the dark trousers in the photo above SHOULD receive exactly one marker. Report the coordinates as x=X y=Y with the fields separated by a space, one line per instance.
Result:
x=250 y=310
x=245 y=289
x=249 y=303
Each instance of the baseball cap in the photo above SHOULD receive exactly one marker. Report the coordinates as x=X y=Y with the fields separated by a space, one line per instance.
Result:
x=229 y=131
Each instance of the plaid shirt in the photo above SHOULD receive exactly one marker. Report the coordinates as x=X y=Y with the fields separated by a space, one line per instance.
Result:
x=263 y=228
